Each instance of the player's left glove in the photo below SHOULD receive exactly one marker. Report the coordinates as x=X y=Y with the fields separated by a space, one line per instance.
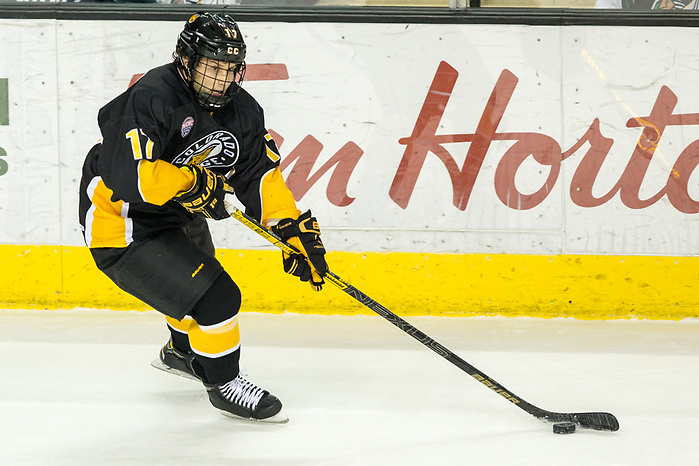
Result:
x=206 y=194
x=303 y=234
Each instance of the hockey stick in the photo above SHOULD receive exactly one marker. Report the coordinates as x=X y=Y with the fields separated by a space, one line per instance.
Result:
x=596 y=421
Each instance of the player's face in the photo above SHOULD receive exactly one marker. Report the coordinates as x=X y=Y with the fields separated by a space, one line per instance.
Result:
x=213 y=77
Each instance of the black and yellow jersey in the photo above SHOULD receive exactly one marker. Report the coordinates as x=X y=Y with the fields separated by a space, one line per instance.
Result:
x=154 y=127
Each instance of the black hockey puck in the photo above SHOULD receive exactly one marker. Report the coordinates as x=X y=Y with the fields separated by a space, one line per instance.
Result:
x=564 y=428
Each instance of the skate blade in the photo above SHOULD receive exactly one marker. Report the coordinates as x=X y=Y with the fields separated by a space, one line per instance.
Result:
x=158 y=364
x=279 y=418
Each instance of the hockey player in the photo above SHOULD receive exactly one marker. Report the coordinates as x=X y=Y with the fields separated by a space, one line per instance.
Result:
x=173 y=146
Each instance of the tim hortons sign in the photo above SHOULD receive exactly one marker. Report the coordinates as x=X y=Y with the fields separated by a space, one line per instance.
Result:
x=544 y=149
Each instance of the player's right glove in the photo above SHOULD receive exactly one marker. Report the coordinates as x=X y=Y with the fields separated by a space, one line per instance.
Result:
x=206 y=194
x=303 y=234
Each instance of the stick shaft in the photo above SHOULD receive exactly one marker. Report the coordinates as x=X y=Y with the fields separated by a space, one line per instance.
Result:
x=595 y=420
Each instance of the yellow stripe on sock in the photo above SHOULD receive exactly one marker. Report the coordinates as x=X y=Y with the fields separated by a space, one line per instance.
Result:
x=181 y=326
x=214 y=341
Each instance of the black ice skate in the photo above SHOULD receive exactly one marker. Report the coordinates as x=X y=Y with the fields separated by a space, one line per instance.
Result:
x=175 y=362
x=242 y=399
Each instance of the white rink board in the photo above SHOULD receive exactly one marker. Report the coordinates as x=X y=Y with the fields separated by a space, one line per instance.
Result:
x=362 y=87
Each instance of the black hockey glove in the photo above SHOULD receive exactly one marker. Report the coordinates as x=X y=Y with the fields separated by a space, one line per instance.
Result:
x=303 y=234
x=206 y=194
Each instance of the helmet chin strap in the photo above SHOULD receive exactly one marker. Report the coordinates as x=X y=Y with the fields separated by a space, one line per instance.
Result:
x=183 y=69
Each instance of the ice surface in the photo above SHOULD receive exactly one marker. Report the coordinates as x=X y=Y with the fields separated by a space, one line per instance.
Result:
x=77 y=388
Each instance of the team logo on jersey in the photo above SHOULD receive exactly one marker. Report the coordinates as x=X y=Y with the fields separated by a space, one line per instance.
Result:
x=215 y=150
x=187 y=125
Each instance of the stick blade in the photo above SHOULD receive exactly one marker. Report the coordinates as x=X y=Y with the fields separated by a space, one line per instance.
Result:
x=595 y=421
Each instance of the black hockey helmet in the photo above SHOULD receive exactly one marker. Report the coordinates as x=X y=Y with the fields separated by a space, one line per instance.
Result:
x=213 y=37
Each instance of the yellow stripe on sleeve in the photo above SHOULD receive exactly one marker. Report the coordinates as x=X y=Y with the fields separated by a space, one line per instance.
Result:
x=159 y=181
x=277 y=200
